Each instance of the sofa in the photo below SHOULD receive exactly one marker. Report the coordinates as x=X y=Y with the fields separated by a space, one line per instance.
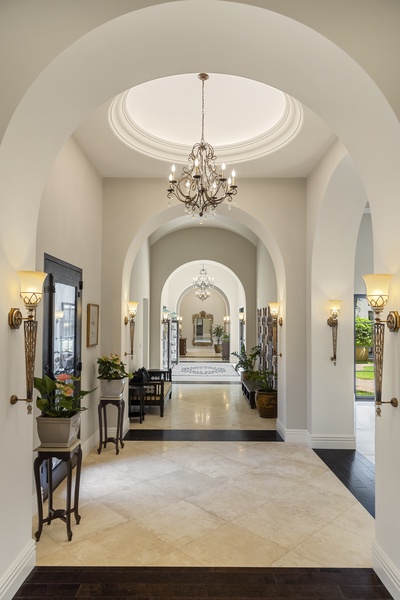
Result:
x=149 y=387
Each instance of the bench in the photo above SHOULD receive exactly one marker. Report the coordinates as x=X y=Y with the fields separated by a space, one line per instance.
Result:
x=155 y=392
x=249 y=389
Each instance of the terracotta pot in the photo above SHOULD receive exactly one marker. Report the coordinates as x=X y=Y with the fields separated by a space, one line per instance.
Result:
x=267 y=404
x=57 y=432
x=113 y=388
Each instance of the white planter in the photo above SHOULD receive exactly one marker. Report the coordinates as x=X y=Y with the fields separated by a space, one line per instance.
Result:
x=58 y=433
x=113 y=388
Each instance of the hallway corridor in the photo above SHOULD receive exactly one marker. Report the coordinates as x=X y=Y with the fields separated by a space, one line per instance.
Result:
x=226 y=504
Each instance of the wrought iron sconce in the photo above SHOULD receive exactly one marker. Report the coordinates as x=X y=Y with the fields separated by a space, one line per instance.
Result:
x=31 y=294
x=377 y=297
x=132 y=310
x=334 y=309
x=227 y=322
x=165 y=316
x=274 y=312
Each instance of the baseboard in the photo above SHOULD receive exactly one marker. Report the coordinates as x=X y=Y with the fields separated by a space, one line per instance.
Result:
x=329 y=441
x=12 y=580
x=386 y=570
x=298 y=436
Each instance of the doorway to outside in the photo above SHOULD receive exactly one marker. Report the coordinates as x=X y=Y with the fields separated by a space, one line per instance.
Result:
x=364 y=383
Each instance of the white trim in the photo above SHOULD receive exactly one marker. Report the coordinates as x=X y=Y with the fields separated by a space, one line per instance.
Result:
x=331 y=441
x=298 y=436
x=12 y=580
x=386 y=570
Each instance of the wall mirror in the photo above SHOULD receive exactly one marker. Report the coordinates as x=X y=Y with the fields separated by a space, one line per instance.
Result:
x=202 y=329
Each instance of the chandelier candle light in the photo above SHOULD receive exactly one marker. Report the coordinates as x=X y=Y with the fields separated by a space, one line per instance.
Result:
x=200 y=187
x=202 y=283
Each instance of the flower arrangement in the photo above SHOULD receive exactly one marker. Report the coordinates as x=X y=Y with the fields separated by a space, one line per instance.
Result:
x=111 y=367
x=61 y=398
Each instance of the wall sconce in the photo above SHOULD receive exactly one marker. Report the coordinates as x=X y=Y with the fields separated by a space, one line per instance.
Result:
x=132 y=310
x=334 y=309
x=227 y=320
x=377 y=297
x=165 y=316
x=274 y=312
x=241 y=318
x=31 y=294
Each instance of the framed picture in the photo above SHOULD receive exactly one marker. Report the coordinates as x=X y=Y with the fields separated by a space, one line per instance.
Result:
x=92 y=338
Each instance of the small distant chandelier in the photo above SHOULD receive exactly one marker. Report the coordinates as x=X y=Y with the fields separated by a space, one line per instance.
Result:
x=200 y=187
x=202 y=283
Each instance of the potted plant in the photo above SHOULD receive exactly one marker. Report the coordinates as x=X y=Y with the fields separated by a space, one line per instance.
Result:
x=225 y=346
x=60 y=403
x=112 y=375
x=246 y=360
x=363 y=337
x=266 y=396
x=218 y=332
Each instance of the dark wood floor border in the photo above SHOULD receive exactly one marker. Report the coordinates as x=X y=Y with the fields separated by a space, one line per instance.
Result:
x=355 y=471
x=202 y=435
x=199 y=583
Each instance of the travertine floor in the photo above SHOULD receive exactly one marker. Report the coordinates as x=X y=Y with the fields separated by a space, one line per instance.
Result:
x=210 y=503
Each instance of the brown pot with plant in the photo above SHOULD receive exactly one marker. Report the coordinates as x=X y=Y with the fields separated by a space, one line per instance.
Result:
x=266 y=396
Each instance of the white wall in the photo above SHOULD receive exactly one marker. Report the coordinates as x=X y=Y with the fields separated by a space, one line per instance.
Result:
x=140 y=292
x=364 y=254
x=69 y=228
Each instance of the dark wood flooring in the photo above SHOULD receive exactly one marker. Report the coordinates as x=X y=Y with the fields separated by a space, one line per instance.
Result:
x=355 y=471
x=168 y=583
x=203 y=435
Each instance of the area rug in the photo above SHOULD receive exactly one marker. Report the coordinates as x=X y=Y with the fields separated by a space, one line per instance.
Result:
x=204 y=372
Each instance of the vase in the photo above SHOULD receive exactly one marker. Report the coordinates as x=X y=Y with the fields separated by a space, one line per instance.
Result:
x=58 y=432
x=113 y=388
x=267 y=404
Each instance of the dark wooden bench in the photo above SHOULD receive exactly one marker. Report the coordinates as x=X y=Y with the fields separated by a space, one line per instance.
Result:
x=249 y=391
x=156 y=391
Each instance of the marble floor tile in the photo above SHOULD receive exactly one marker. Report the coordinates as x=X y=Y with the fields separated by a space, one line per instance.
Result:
x=167 y=503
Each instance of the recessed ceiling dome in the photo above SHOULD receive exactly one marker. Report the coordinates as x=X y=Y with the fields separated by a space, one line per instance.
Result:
x=244 y=119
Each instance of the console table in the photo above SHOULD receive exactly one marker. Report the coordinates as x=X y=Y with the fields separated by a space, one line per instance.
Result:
x=119 y=402
x=71 y=456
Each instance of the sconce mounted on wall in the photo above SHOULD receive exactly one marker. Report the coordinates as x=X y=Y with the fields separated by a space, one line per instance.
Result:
x=334 y=309
x=165 y=315
x=242 y=320
x=132 y=310
x=377 y=297
x=274 y=312
x=31 y=294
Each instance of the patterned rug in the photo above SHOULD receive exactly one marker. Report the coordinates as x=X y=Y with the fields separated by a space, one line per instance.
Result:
x=204 y=372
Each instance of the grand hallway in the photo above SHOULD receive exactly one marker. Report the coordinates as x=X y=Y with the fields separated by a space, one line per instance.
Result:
x=225 y=504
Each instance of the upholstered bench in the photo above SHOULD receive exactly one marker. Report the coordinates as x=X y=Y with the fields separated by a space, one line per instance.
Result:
x=157 y=389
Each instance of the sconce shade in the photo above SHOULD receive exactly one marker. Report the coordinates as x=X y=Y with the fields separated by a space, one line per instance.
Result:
x=241 y=316
x=377 y=289
x=132 y=309
x=334 y=308
x=31 y=287
x=274 y=308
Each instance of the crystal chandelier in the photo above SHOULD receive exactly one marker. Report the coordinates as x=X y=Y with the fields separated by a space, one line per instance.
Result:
x=200 y=187
x=202 y=283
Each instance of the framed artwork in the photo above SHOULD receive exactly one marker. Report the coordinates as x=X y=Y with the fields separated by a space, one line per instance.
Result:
x=92 y=338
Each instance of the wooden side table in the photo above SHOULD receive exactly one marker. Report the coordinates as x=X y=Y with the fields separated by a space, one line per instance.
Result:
x=102 y=410
x=71 y=456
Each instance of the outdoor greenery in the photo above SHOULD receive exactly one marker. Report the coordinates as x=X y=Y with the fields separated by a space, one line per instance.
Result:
x=61 y=399
x=364 y=332
x=246 y=360
x=367 y=372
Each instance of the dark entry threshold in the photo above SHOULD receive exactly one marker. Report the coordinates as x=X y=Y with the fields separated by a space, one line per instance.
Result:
x=200 y=583
x=201 y=435
x=355 y=471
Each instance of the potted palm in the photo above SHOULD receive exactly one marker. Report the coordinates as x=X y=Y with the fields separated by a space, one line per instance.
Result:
x=112 y=375
x=218 y=332
x=246 y=361
x=60 y=403
x=266 y=396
